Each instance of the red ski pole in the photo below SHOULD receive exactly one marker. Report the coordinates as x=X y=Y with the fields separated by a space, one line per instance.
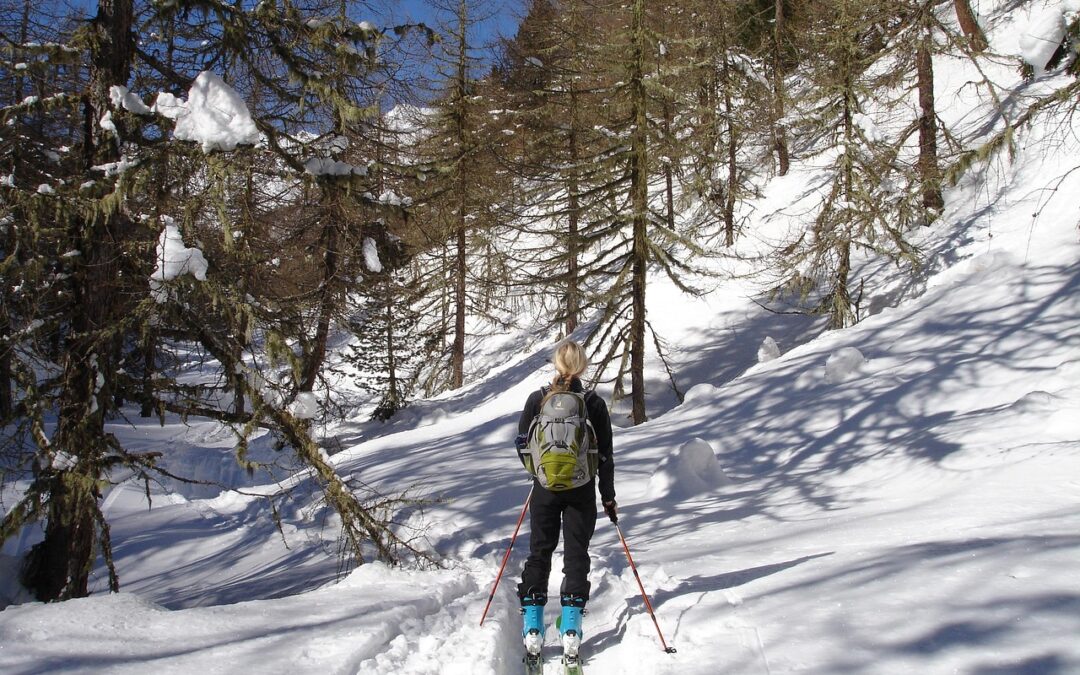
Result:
x=648 y=605
x=507 y=556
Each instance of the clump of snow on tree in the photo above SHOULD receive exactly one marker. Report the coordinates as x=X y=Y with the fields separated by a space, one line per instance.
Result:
x=325 y=166
x=121 y=97
x=390 y=197
x=768 y=351
x=174 y=259
x=305 y=406
x=869 y=128
x=1041 y=37
x=371 y=256
x=844 y=365
x=691 y=470
x=106 y=123
x=169 y=106
x=214 y=115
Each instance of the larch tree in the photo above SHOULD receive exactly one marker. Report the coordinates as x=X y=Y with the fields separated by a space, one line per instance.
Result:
x=553 y=88
x=458 y=197
x=854 y=116
x=87 y=232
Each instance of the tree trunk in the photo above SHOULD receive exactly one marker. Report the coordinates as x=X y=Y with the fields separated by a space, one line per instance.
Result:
x=929 y=169
x=393 y=395
x=457 y=356
x=149 y=348
x=970 y=26
x=639 y=197
x=327 y=297
x=457 y=352
x=59 y=567
x=779 y=133
x=669 y=171
x=573 y=290
x=7 y=400
x=732 y=155
x=238 y=383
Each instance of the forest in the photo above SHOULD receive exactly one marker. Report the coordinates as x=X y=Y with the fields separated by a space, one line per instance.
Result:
x=237 y=189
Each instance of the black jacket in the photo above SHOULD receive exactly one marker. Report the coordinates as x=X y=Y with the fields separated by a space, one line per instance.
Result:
x=601 y=422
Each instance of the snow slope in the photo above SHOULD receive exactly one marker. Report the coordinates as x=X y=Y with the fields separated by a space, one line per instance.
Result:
x=896 y=497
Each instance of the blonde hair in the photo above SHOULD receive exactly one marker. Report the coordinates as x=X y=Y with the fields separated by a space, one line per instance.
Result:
x=570 y=362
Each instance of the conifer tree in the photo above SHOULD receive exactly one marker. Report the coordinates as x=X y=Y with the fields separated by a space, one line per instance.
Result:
x=553 y=83
x=460 y=192
x=868 y=204
x=590 y=92
x=88 y=233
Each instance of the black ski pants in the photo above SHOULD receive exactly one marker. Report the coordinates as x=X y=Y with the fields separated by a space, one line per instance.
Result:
x=574 y=511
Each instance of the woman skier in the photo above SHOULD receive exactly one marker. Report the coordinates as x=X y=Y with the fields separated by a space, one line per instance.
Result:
x=554 y=505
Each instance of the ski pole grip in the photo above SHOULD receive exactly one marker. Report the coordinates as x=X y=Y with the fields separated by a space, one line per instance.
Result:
x=611 y=509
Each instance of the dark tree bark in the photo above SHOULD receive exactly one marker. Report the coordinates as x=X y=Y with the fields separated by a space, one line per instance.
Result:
x=929 y=169
x=149 y=349
x=328 y=292
x=639 y=206
x=457 y=354
x=59 y=567
x=970 y=26
x=573 y=291
x=461 y=75
x=732 y=157
x=779 y=134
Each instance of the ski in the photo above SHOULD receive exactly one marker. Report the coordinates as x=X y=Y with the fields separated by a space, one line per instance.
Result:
x=571 y=665
x=534 y=664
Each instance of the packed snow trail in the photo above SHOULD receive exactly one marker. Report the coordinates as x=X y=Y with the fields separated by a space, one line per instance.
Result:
x=344 y=628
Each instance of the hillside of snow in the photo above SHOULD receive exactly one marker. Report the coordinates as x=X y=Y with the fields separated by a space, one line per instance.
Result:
x=897 y=497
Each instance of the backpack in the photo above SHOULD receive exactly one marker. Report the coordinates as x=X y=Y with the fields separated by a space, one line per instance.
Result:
x=561 y=451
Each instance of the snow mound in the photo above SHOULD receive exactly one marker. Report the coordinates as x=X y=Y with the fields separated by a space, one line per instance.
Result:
x=701 y=393
x=691 y=470
x=768 y=351
x=1055 y=415
x=844 y=365
x=1037 y=402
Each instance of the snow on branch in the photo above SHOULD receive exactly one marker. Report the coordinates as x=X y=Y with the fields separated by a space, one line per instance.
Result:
x=214 y=115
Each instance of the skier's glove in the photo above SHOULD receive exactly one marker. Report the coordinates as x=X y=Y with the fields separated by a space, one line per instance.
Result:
x=612 y=510
x=521 y=441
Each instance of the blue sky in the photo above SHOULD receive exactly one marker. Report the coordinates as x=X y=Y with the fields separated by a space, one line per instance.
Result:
x=502 y=17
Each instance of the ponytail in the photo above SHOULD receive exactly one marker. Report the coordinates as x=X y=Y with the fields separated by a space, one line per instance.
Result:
x=570 y=362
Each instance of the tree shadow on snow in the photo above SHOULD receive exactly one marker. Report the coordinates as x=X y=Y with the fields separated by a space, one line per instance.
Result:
x=784 y=432
x=725 y=580
x=947 y=614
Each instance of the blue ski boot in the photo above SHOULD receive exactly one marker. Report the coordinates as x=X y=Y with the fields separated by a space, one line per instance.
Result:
x=573 y=606
x=532 y=629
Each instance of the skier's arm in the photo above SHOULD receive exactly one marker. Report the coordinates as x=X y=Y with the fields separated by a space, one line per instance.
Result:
x=601 y=422
x=532 y=409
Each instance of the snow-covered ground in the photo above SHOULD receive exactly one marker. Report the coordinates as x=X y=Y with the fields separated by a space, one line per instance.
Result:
x=898 y=497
